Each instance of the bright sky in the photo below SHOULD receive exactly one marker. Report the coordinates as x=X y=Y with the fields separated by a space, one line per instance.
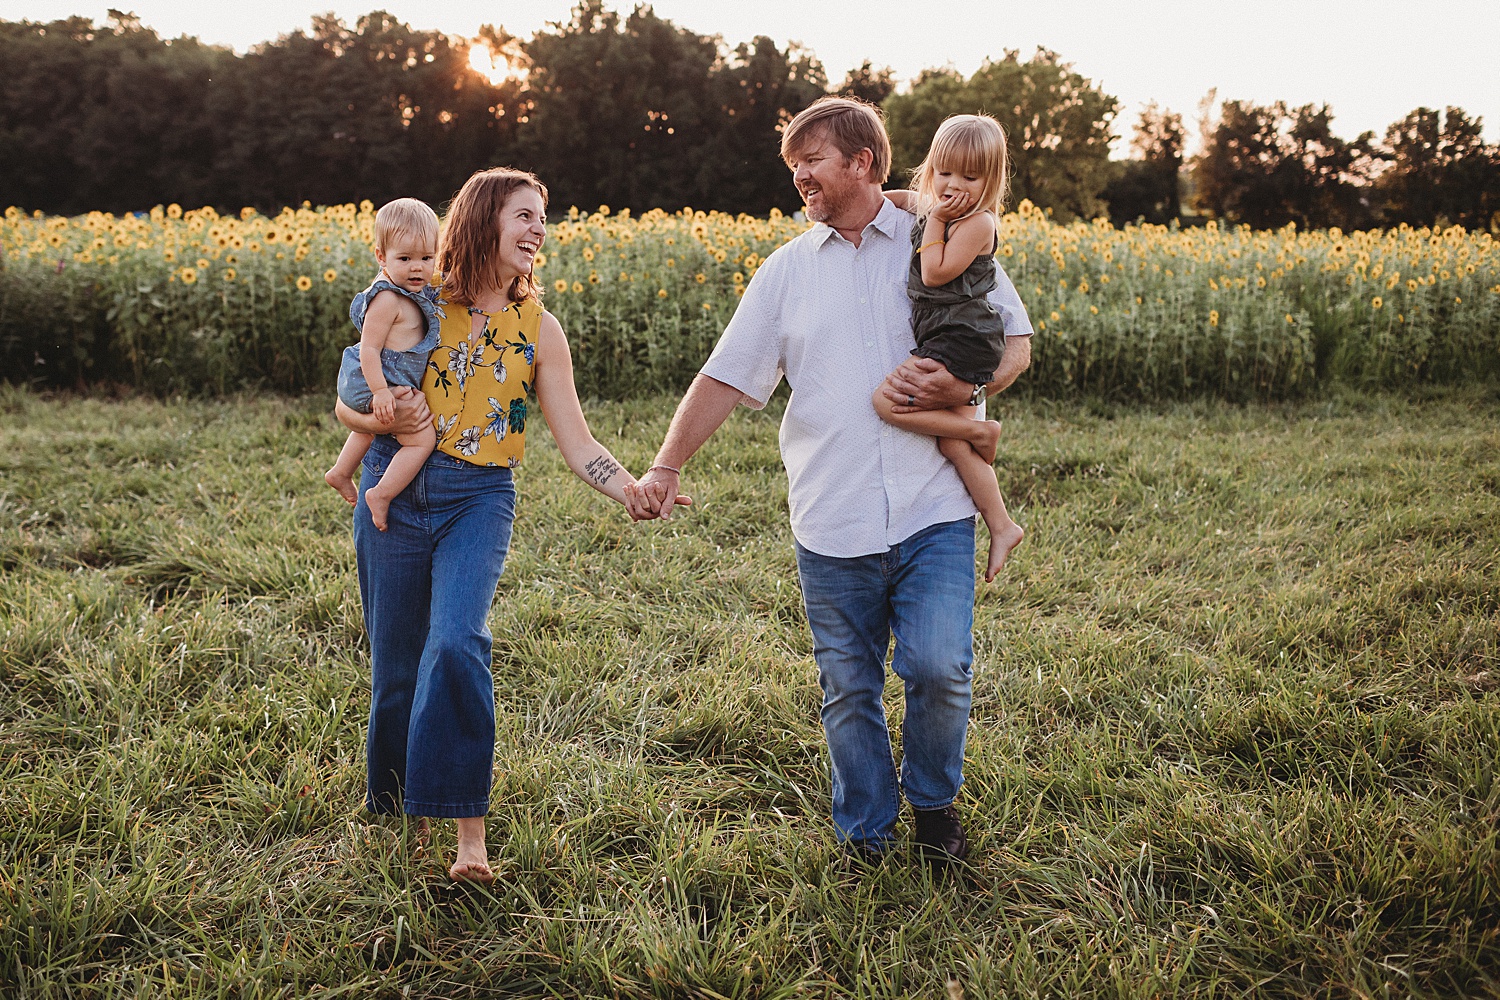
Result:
x=1372 y=61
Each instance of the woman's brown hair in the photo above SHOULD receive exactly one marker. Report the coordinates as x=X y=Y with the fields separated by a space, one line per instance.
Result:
x=469 y=252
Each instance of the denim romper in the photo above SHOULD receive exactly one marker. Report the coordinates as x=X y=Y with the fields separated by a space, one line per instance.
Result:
x=399 y=367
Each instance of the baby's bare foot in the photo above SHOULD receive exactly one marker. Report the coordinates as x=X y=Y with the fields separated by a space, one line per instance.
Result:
x=987 y=440
x=380 y=506
x=343 y=484
x=1002 y=543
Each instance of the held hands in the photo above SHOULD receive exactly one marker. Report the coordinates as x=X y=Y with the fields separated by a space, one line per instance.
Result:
x=646 y=498
x=924 y=384
x=383 y=405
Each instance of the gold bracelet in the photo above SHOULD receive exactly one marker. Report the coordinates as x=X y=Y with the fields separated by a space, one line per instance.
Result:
x=934 y=243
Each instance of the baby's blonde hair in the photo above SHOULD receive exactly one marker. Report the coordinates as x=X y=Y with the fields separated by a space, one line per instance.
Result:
x=972 y=145
x=405 y=217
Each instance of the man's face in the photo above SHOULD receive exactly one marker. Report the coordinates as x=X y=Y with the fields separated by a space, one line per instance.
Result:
x=827 y=182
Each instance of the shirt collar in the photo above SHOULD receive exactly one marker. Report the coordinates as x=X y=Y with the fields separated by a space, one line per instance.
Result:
x=884 y=223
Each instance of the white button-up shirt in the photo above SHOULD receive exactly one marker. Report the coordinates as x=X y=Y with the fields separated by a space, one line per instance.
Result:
x=834 y=319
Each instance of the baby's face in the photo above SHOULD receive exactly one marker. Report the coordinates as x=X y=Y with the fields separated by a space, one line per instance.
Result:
x=408 y=262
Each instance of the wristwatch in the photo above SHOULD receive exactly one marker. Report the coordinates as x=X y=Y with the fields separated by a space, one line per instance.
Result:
x=977 y=396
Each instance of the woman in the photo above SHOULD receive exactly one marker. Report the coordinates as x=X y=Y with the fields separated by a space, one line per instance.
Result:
x=426 y=583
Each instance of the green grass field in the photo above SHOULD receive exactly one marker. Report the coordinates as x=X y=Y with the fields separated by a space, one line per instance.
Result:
x=1236 y=729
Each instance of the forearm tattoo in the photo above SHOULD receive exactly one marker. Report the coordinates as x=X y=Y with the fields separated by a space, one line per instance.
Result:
x=601 y=470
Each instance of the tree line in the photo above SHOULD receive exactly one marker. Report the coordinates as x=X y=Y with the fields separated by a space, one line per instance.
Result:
x=634 y=111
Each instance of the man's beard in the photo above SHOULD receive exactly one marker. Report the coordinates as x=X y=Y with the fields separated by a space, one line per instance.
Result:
x=833 y=205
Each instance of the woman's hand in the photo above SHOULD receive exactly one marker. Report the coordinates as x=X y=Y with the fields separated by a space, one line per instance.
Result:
x=411 y=414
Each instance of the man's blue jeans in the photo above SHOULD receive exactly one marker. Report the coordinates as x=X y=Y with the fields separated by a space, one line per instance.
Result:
x=922 y=592
x=426 y=585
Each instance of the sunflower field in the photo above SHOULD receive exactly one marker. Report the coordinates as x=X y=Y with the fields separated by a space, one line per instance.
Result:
x=195 y=302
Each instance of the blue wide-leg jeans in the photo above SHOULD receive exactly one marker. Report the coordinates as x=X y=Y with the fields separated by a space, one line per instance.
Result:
x=426 y=586
x=922 y=592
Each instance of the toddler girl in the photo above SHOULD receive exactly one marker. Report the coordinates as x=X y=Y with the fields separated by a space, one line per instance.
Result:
x=956 y=195
x=397 y=318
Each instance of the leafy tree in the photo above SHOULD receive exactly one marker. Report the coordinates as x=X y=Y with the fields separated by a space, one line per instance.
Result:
x=1057 y=125
x=754 y=93
x=109 y=117
x=1270 y=165
x=1440 y=171
x=868 y=84
x=378 y=111
x=619 y=110
x=1145 y=187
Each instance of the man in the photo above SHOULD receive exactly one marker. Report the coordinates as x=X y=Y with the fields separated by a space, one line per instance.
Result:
x=883 y=525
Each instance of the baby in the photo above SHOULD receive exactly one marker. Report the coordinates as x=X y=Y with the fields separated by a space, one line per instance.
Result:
x=397 y=318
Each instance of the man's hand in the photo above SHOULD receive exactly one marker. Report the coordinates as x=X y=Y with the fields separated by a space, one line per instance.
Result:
x=647 y=497
x=924 y=384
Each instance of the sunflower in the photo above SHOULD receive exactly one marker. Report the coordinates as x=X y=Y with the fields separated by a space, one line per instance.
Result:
x=560 y=285
x=1376 y=302
x=577 y=287
x=661 y=293
x=188 y=275
x=330 y=276
x=303 y=282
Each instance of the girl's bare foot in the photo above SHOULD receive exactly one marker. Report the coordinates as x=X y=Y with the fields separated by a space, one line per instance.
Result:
x=473 y=863
x=343 y=484
x=1002 y=543
x=379 y=506
x=987 y=439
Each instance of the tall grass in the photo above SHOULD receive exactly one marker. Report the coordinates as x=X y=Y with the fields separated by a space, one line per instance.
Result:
x=1235 y=728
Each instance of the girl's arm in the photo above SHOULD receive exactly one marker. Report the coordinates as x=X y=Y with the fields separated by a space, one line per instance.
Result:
x=373 y=335
x=942 y=261
x=901 y=198
x=589 y=460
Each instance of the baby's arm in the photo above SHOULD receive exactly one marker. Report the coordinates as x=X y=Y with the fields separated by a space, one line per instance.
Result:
x=944 y=260
x=901 y=198
x=380 y=319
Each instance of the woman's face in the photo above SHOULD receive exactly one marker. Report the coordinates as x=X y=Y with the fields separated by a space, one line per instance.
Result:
x=523 y=228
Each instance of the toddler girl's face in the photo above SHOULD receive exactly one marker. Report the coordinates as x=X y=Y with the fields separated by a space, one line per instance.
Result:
x=946 y=183
x=408 y=262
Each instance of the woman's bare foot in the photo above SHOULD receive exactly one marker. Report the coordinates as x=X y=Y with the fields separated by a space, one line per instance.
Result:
x=473 y=863
x=342 y=483
x=986 y=440
x=1002 y=543
x=380 y=506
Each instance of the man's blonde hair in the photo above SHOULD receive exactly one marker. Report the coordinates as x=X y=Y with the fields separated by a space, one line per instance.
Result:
x=405 y=218
x=847 y=123
x=971 y=145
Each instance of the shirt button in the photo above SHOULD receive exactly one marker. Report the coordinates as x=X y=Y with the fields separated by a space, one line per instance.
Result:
x=862 y=301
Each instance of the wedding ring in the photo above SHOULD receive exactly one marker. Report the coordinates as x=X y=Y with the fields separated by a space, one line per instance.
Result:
x=911 y=400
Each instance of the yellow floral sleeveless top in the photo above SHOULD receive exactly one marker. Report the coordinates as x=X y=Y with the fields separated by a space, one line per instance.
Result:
x=478 y=395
